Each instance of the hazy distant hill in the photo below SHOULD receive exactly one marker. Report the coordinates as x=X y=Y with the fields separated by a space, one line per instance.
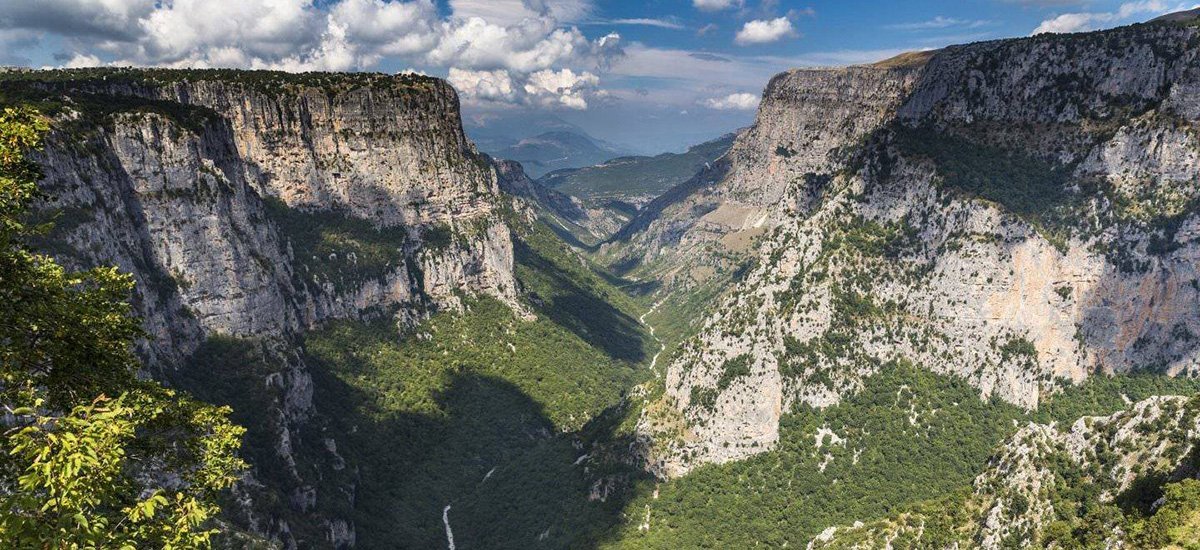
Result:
x=631 y=177
x=558 y=149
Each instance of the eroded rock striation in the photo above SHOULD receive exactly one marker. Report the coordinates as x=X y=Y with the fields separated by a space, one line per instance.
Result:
x=256 y=205
x=1020 y=213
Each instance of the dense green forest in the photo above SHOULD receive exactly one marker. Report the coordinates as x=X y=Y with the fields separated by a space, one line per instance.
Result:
x=486 y=412
x=478 y=409
x=909 y=438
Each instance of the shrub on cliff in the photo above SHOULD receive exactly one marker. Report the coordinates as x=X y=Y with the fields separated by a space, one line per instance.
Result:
x=91 y=456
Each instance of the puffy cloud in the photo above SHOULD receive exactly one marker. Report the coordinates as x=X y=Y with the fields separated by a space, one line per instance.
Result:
x=519 y=51
x=106 y=19
x=1067 y=22
x=761 y=31
x=545 y=88
x=717 y=5
x=561 y=88
x=533 y=45
x=1087 y=21
x=732 y=102
x=185 y=32
x=519 y=35
x=391 y=28
x=494 y=85
x=82 y=60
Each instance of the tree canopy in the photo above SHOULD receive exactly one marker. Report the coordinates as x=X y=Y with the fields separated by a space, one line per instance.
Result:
x=92 y=455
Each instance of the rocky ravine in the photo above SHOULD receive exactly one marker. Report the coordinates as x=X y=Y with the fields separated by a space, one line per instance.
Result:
x=1021 y=213
x=237 y=201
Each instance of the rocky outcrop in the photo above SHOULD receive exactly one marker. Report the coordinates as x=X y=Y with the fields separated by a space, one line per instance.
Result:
x=258 y=205
x=514 y=181
x=195 y=188
x=1034 y=478
x=1019 y=213
x=808 y=120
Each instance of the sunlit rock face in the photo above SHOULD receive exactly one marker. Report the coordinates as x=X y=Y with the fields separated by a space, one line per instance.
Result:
x=1020 y=213
x=260 y=205
x=185 y=193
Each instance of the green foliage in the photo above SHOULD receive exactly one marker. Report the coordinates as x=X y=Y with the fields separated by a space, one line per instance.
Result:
x=572 y=379
x=1017 y=348
x=1176 y=521
x=80 y=469
x=1104 y=395
x=1030 y=187
x=272 y=83
x=336 y=246
x=733 y=369
x=77 y=490
x=465 y=402
x=424 y=414
x=578 y=296
x=874 y=239
x=908 y=436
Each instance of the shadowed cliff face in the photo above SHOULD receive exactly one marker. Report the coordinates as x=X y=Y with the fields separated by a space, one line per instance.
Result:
x=205 y=185
x=1020 y=213
x=262 y=205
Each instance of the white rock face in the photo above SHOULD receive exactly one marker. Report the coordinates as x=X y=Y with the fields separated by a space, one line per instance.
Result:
x=185 y=192
x=186 y=207
x=873 y=252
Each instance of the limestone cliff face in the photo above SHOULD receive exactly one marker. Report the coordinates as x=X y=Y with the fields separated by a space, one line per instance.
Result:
x=1020 y=213
x=807 y=120
x=259 y=205
x=193 y=210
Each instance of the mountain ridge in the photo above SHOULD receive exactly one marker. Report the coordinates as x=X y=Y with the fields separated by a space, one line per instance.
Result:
x=889 y=206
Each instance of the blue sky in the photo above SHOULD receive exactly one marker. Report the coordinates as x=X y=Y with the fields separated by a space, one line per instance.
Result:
x=652 y=75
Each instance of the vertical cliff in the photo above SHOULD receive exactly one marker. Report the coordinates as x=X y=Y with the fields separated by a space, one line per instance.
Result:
x=1020 y=213
x=255 y=206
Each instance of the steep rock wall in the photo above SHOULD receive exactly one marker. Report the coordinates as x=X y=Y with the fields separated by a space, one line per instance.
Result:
x=1024 y=216
x=259 y=205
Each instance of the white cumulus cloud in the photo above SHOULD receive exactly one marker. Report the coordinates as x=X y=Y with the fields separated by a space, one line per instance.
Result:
x=561 y=88
x=519 y=51
x=762 y=31
x=494 y=85
x=545 y=88
x=1088 y=21
x=733 y=102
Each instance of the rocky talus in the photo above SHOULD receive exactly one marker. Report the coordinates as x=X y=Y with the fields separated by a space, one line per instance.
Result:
x=1019 y=213
x=257 y=205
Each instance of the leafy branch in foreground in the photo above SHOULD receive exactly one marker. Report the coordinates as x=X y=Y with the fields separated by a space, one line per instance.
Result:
x=78 y=468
